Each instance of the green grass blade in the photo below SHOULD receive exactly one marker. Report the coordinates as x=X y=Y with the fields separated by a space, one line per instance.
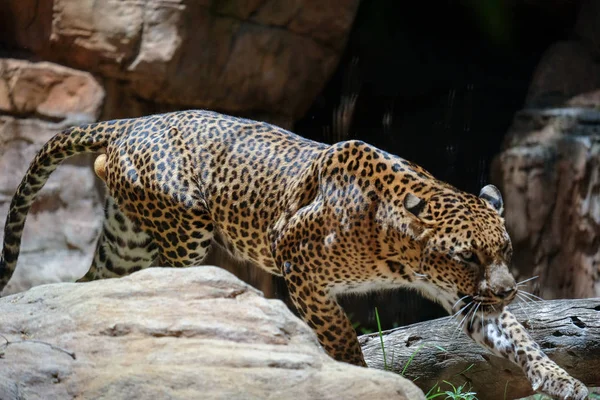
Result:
x=385 y=366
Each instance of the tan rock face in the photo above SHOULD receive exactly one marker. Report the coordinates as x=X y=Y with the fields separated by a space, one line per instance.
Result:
x=549 y=176
x=265 y=59
x=197 y=333
x=548 y=168
x=48 y=91
x=239 y=56
x=38 y=100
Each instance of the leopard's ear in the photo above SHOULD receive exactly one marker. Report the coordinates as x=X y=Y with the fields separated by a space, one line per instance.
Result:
x=492 y=196
x=414 y=205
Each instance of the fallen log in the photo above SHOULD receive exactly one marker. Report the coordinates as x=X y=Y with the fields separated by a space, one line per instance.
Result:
x=430 y=352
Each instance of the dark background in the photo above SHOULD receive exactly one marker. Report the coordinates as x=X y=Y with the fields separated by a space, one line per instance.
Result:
x=448 y=77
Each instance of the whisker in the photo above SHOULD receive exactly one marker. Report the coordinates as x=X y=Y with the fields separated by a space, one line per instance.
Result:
x=456 y=313
x=467 y=313
x=482 y=319
x=524 y=298
x=523 y=309
x=531 y=295
x=458 y=301
x=527 y=280
x=460 y=324
x=475 y=313
x=422 y=276
x=520 y=300
x=460 y=328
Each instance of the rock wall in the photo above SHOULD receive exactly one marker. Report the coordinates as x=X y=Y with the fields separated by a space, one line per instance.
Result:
x=264 y=59
x=36 y=101
x=548 y=169
x=549 y=174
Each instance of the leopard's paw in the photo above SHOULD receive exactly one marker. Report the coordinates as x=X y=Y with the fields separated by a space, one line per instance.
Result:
x=556 y=382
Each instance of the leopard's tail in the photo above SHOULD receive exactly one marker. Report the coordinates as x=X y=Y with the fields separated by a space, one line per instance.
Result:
x=72 y=141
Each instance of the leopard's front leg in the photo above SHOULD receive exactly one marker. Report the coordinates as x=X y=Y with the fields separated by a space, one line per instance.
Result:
x=319 y=309
x=505 y=337
x=302 y=261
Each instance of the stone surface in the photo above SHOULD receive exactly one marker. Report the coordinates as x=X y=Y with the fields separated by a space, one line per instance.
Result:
x=549 y=174
x=548 y=167
x=37 y=100
x=171 y=333
x=265 y=58
x=48 y=92
x=586 y=100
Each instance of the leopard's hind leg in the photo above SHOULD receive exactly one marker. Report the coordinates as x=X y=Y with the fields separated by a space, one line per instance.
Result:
x=122 y=248
x=161 y=195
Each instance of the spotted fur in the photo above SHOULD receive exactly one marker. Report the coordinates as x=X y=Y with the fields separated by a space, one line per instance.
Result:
x=329 y=219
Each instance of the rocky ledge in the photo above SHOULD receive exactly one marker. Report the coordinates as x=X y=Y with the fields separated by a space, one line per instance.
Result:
x=171 y=333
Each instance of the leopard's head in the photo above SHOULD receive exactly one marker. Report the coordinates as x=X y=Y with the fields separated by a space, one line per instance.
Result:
x=465 y=248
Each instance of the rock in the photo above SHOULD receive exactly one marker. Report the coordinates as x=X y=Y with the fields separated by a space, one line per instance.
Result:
x=549 y=174
x=37 y=100
x=48 y=92
x=267 y=57
x=548 y=167
x=567 y=69
x=586 y=100
x=171 y=333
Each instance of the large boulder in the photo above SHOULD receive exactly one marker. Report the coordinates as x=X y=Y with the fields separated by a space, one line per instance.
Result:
x=195 y=333
x=549 y=174
x=548 y=168
x=268 y=57
x=37 y=100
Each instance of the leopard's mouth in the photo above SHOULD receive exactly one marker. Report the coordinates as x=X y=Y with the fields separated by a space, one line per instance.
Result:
x=492 y=310
x=492 y=307
x=488 y=306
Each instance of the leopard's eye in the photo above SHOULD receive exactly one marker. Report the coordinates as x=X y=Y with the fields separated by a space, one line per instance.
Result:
x=469 y=257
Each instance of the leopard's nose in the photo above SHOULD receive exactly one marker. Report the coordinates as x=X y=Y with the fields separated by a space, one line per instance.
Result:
x=502 y=284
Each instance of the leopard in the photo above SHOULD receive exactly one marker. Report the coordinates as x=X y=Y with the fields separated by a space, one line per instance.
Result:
x=329 y=219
